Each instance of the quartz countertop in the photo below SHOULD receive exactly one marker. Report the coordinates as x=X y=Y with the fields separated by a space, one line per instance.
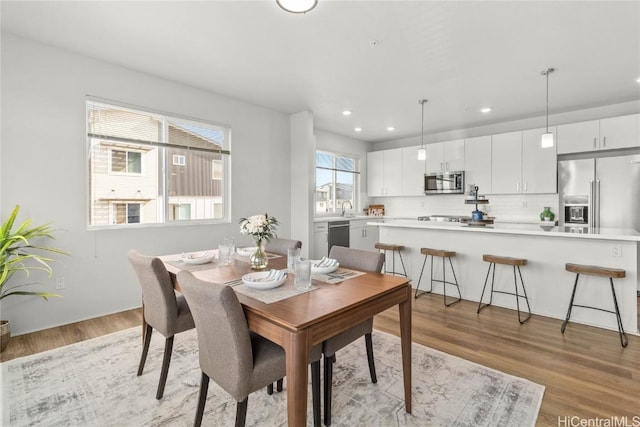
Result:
x=516 y=228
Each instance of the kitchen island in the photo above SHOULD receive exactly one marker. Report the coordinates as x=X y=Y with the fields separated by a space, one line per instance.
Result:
x=547 y=283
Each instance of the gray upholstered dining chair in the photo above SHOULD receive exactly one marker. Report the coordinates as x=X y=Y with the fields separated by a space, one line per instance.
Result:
x=280 y=246
x=237 y=359
x=358 y=260
x=164 y=310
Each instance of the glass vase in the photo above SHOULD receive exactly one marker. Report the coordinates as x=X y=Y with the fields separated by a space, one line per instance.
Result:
x=258 y=259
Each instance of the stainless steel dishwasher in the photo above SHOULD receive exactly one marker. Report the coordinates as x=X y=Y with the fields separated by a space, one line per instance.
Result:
x=338 y=234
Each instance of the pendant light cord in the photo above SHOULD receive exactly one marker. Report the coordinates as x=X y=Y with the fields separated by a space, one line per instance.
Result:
x=546 y=73
x=422 y=101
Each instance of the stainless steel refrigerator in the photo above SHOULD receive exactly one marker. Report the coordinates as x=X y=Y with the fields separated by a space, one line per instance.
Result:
x=599 y=192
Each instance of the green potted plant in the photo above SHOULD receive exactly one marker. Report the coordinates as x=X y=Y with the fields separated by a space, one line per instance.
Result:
x=20 y=253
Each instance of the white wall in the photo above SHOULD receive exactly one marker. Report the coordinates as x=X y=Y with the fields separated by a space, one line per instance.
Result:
x=44 y=169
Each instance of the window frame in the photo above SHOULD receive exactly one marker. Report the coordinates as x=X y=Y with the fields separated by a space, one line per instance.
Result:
x=162 y=197
x=356 y=181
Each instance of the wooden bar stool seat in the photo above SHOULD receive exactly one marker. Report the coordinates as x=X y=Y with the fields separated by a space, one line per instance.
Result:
x=444 y=254
x=516 y=263
x=394 y=248
x=594 y=270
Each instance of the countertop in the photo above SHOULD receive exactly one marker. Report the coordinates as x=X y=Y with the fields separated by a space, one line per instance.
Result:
x=346 y=218
x=515 y=228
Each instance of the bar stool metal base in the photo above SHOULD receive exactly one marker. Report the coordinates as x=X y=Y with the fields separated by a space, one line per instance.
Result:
x=443 y=255
x=601 y=272
x=393 y=248
x=515 y=262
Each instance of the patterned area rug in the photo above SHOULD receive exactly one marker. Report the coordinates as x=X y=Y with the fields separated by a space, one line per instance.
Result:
x=94 y=383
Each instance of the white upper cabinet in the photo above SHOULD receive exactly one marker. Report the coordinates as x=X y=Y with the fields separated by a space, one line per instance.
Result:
x=412 y=172
x=520 y=165
x=477 y=153
x=384 y=176
x=620 y=132
x=539 y=165
x=445 y=156
x=604 y=134
x=506 y=163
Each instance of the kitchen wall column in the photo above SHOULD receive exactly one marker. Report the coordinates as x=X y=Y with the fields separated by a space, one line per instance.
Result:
x=303 y=155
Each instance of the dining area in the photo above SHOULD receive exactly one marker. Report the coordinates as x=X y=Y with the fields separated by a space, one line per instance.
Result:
x=258 y=326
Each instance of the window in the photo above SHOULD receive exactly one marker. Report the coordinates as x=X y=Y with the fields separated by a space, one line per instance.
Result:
x=336 y=182
x=126 y=213
x=126 y=161
x=150 y=168
x=179 y=160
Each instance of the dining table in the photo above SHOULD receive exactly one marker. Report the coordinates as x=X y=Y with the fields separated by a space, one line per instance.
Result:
x=309 y=317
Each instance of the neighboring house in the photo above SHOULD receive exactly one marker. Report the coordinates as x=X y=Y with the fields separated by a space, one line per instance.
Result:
x=126 y=180
x=325 y=200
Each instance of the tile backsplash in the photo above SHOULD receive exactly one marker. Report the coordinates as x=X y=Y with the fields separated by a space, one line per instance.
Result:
x=507 y=207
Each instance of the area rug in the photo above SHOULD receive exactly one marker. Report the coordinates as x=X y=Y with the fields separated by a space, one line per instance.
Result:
x=94 y=383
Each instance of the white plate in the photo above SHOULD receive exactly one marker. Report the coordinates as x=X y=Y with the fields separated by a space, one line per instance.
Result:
x=248 y=251
x=197 y=259
x=256 y=280
x=323 y=270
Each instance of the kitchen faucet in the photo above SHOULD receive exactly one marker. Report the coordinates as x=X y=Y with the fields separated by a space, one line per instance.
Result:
x=343 y=203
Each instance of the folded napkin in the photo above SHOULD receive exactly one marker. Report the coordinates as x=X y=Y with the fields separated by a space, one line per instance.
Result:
x=190 y=256
x=274 y=275
x=326 y=262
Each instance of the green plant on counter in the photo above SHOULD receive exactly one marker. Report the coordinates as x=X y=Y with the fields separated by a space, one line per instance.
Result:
x=18 y=254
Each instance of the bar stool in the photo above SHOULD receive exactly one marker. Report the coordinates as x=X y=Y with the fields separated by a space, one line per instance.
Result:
x=516 y=263
x=594 y=270
x=443 y=254
x=393 y=248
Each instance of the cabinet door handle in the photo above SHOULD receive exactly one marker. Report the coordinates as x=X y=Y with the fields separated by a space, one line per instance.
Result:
x=446 y=165
x=517 y=187
x=441 y=166
x=525 y=186
x=595 y=142
x=604 y=141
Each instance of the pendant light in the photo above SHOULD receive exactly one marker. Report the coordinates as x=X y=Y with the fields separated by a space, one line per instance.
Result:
x=422 y=151
x=547 y=138
x=297 y=6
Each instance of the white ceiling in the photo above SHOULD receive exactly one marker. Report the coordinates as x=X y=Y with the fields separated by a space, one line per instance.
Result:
x=459 y=55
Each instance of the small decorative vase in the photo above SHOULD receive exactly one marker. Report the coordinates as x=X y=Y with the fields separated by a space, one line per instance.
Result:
x=258 y=259
x=547 y=215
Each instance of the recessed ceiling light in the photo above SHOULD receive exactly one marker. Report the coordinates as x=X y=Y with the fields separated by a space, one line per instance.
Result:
x=391 y=128
x=638 y=79
x=486 y=109
x=358 y=129
x=346 y=113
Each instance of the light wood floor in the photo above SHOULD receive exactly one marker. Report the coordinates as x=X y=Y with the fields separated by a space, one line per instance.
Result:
x=586 y=372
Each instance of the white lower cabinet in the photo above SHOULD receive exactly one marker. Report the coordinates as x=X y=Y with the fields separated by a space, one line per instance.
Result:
x=320 y=240
x=363 y=236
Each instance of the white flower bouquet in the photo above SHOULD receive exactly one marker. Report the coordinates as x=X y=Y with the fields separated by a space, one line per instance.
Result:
x=261 y=227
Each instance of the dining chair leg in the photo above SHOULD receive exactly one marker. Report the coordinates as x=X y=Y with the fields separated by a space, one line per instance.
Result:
x=328 y=380
x=270 y=389
x=145 y=348
x=315 y=392
x=241 y=412
x=166 y=360
x=372 y=363
x=279 y=385
x=202 y=399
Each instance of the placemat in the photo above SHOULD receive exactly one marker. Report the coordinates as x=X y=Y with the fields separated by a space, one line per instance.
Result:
x=246 y=258
x=338 y=276
x=267 y=296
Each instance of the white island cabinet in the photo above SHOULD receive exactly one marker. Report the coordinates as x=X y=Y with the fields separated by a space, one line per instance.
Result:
x=547 y=283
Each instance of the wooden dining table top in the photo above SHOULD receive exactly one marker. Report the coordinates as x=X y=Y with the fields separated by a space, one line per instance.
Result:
x=304 y=320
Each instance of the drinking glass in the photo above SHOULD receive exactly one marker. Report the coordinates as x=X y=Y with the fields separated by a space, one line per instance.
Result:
x=224 y=254
x=293 y=256
x=231 y=243
x=302 y=279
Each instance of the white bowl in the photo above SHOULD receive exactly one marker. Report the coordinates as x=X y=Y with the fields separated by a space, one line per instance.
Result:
x=248 y=251
x=257 y=280
x=197 y=259
x=323 y=270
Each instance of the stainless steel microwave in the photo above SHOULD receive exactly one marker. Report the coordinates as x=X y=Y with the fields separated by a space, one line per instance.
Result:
x=444 y=183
